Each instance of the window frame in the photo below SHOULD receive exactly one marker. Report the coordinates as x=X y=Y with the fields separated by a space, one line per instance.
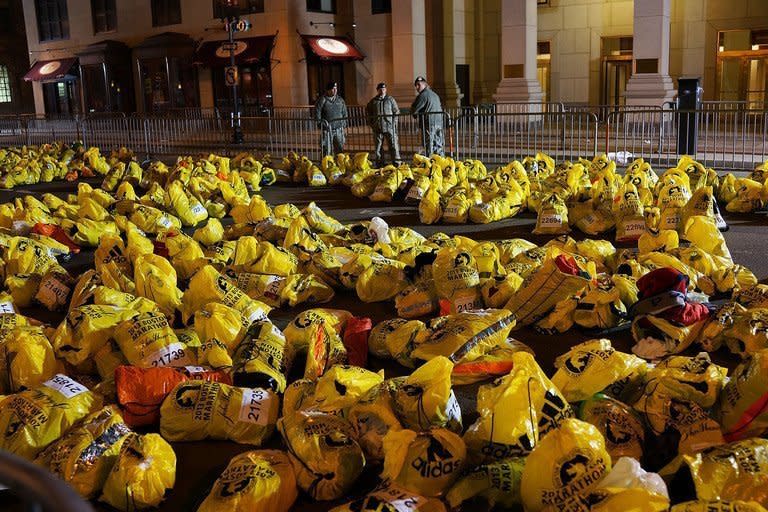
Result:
x=156 y=5
x=62 y=21
x=381 y=7
x=320 y=9
x=109 y=13
x=6 y=91
x=250 y=8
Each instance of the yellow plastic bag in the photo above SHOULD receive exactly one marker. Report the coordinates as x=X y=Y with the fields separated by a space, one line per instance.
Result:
x=388 y=496
x=540 y=292
x=85 y=330
x=26 y=359
x=515 y=410
x=372 y=416
x=742 y=409
x=33 y=419
x=84 y=456
x=300 y=332
x=621 y=427
x=424 y=399
x=430 y=210
x=593 y=366
x=196 y=410
x=263 y=258
x=143 y=473
x=263 y=358
x=147 y=341
x=497 y=482
x=628 y=211
x=208 y=285
x=734 y=471
x=400 y=341
x=221 y=329
x=464 y=336
x=456 y=278
x=570 y=460
x=552 y=218
x=326 y=458
x=155 y=279
x=334 y=392
x=381 y=281
x=427 y=463
x=417 y=300
x=254 y=480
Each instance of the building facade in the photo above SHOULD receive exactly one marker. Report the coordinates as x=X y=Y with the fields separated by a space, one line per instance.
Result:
x=15 y=93
x=156 y=55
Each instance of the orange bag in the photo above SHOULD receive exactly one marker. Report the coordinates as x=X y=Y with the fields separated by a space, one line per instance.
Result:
x=141 y=391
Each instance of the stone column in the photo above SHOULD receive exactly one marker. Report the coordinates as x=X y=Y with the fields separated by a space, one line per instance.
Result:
x=409 y=49
x=518 y=53
x=445 y=58
x=650 y=83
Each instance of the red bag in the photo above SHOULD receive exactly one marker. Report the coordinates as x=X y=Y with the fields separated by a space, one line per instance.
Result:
x=356 y=340
x=141 y=391
x=57 y=234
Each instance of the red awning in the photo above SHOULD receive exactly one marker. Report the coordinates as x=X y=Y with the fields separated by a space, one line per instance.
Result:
x=332 y=48
x=51 y=70
x=247 y=51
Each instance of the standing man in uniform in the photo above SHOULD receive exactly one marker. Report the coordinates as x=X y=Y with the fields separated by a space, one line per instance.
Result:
x=382 y=113
x=332 y=109
x=422 y=108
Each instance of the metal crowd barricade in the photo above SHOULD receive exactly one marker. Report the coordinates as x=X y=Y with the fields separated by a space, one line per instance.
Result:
x=727 y=139
x=285 y=135
x=501 y=137
x=12 y=132
x=45 y=129
x=170 y=136
x=360 y=136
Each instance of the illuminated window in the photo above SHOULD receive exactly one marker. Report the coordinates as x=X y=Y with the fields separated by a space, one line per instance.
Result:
x=5 y=85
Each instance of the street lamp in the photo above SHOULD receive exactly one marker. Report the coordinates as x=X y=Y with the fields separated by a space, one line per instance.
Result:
x=230 y=15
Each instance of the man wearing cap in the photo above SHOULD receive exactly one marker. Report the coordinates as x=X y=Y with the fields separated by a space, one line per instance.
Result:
x=331 y=109
x=382 y=113
x=427 y=107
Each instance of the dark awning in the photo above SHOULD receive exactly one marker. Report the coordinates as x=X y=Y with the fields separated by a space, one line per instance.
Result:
x=51 y=70
x=332 y=48
x=247 y=51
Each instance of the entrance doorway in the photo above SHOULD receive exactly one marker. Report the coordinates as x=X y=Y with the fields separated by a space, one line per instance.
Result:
x=742 y=68
x=462 y=80
x=61 y=98
x=319 y=73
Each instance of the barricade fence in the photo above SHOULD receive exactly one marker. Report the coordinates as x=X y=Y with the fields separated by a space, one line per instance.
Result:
x=719 y=137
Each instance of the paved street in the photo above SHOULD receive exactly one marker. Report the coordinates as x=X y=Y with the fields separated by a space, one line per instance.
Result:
x=199 y=463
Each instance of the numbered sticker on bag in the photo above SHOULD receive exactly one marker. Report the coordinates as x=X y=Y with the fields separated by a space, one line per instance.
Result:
x=634 y=228
x=7 y=307
x=551 y=220
x=255 y=406
x=467 y=303
x=175 y=354
x=66 y=386
x=198 y=209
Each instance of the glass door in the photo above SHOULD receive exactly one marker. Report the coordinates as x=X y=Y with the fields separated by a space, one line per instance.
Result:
x=755 y=81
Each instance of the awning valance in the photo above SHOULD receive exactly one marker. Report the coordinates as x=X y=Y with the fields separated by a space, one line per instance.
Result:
x=51 y=70
x=332 y=47
x=247 y=51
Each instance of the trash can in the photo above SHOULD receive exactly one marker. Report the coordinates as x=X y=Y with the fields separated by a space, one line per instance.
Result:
x=688 y=102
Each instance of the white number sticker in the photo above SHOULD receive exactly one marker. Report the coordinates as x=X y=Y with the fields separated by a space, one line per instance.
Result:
x=175 y=354
x=255 y=406
x=66 y=386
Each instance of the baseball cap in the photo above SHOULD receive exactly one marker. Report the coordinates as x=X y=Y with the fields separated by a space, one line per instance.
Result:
x=419 y=79
x=381 y=85
x=331 y=85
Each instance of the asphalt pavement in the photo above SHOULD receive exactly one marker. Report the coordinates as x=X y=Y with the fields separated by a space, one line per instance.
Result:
x=199 y=463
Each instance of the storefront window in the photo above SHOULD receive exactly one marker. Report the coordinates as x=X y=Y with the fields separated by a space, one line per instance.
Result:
x=254 y=93
x=168 y=82
x=5 y=85
x=95 y=88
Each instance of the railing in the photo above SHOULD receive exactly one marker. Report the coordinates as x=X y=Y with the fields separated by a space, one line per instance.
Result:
x=732 y=139
x=501 y=137
x=722 y=139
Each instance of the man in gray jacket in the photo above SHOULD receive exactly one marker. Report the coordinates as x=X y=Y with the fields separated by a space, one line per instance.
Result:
x=382 y=113
x=422 y=108
x=331 y=109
